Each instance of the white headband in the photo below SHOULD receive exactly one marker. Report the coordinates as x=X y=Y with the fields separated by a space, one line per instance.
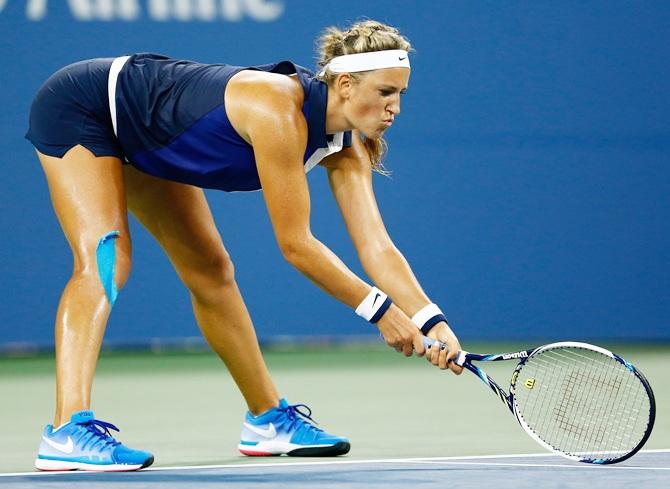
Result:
x=374 y=60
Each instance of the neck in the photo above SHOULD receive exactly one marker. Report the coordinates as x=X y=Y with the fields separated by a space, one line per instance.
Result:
x=335 y=119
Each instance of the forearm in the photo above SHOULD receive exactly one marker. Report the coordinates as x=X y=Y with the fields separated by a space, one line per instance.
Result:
x=318 y=263
x=390 y=271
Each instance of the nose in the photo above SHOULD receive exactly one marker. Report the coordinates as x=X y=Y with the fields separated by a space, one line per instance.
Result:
x=394 y=106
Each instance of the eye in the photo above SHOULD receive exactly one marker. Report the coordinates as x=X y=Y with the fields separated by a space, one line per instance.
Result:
x=385 y=93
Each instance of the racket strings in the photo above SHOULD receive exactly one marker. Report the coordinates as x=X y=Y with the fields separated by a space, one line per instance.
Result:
x=586 y=393
x=579 y=409
x=605 y=387
x=597 y=391
x=582 y=402
x=577 y=413
x=574 y=409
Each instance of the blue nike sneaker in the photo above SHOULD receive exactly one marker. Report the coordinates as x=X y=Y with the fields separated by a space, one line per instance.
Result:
x=287 y=429
x=85 y=443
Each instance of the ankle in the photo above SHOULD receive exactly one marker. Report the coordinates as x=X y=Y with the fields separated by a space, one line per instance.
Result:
x=261 y=408
x=64 y=415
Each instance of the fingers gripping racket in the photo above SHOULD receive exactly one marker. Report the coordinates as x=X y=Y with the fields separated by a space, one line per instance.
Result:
x=575 y=399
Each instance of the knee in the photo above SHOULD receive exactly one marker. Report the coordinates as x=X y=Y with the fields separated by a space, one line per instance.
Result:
x=122 y=268
x=210 y=276
x=106 y=262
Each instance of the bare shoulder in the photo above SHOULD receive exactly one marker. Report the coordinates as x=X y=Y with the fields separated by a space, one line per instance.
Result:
x=263 y=83
x=251 y=95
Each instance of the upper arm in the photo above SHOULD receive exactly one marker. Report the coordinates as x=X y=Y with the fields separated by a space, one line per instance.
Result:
x=350 y=177
x=269 y=116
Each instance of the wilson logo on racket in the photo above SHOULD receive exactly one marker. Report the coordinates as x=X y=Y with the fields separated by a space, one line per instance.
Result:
x=518 y=354
x=530 y=383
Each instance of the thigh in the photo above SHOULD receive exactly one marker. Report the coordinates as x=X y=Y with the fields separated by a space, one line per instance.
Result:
x=88 y=196
x=178 y=216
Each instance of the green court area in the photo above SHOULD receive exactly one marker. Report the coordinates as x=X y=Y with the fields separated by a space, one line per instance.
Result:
x=185 y=408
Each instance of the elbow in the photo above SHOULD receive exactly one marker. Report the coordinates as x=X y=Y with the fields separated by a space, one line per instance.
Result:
x=377 y=258
x=295 y=251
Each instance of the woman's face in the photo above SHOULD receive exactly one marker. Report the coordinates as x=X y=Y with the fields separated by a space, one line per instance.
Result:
x=373 y=101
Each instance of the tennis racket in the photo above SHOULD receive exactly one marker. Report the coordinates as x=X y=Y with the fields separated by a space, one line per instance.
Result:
x=575 y=399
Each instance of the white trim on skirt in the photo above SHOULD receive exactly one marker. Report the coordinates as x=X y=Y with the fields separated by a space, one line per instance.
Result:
x=114 y=71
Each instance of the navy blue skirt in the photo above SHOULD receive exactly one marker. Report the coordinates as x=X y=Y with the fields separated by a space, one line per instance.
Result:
x=72 y=108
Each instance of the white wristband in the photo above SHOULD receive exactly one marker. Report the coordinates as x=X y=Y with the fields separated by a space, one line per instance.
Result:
x=425 y=313
x=371 y=307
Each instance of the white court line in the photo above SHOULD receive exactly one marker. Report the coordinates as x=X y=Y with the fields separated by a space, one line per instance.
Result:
x=562 y=466
x=444 y=460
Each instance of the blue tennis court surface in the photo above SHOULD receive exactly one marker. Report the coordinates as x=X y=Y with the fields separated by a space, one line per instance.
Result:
x=646 y=469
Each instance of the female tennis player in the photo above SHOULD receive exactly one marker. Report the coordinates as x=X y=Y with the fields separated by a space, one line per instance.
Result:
x=145 y=134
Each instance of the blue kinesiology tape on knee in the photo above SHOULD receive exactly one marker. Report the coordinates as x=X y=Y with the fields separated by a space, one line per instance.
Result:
x=105 y=255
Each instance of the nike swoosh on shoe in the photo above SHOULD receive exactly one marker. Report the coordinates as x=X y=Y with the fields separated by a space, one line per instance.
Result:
x=61 y=447
x=270 y=432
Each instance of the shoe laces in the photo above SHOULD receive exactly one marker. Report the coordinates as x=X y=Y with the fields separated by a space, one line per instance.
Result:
x=300 y=419
x=97 y=434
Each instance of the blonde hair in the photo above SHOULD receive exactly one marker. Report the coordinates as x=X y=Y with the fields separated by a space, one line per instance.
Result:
x=362 y=37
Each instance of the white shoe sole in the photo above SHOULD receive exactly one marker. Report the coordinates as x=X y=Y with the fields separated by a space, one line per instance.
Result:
x=44 y=464
x=272 y=448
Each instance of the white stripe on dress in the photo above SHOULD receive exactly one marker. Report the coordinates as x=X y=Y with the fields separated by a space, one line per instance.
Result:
x=114 y=71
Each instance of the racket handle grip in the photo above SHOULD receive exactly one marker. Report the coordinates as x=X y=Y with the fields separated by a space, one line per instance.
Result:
x=429 y=342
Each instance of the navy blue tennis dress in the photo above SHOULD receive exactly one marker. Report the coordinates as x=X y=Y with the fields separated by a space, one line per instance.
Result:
x=166 y=117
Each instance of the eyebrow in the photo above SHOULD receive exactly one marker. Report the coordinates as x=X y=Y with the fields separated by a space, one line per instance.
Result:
x=391 y=87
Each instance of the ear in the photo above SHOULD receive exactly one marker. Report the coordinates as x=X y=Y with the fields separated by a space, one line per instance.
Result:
x=343 y=84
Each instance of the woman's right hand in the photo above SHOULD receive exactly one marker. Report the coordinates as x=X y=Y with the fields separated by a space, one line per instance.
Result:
x=400 y=333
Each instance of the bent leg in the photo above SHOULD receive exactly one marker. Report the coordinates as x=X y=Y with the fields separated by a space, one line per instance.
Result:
x=88 y=196
x=179 y=217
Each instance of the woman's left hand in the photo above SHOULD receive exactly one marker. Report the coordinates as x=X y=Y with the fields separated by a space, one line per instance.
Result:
x=444 y=358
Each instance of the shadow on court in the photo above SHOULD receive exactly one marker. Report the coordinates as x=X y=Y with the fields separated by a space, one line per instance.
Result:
x=646 y=469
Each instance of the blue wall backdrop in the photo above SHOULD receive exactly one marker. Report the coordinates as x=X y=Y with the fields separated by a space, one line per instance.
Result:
x=531 y=165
